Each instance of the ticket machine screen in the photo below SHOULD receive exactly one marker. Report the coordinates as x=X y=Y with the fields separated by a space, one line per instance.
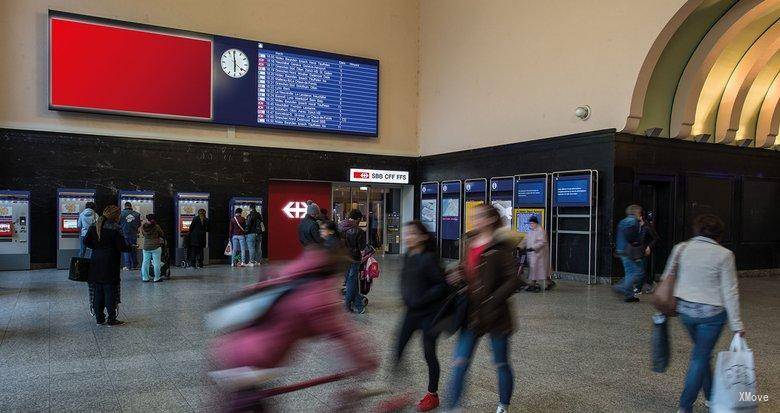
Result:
x=185 y=225
x=6 y=230
x=70 y=225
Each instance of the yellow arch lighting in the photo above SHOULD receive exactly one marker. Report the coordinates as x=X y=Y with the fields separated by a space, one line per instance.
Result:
x=755 y=98
x=733 y=100
x=699 y=67
x=769 y=116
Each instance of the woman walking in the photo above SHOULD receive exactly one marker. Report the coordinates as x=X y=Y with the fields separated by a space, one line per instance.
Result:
x=198 y=231
x=423 y=289
x=107 y=244
x=489 y=273
x=707 y=296
x=154 y=242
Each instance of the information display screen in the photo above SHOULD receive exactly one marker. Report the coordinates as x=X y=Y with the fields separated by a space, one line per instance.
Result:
x=150 y=71
x=572 y=191
x=6 y=230
x=530 y=192
x=308 y=91
x=70 y=225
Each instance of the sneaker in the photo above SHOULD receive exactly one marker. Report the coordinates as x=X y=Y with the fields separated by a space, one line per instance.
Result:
x=125 y=269
x=502 y=408
x=146 y=281
x=114 y=323
x=250 y=264
x=631 y=300
x=429 y=402
x=158 y=280
x=100 y=323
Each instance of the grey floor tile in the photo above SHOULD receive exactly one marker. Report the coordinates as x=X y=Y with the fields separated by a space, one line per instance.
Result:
x=153 y=401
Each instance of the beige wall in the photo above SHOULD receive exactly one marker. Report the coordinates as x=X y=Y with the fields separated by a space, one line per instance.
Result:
x=501 y=71
x=384 y=30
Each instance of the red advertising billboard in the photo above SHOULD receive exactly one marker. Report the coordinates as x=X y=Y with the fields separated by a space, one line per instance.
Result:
x=286 y=208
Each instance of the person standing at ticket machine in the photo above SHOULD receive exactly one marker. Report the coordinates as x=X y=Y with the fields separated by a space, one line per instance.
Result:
x=238 y=239
x=130 y=222
x=254 y=235
x=87 y=218
x=198 y=231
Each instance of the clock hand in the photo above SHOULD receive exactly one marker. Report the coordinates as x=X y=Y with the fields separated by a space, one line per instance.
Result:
x=234 y=61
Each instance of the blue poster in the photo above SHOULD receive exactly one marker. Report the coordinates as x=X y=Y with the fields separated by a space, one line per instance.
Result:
x=450 y=210
x=530 y=192
x=572 y=191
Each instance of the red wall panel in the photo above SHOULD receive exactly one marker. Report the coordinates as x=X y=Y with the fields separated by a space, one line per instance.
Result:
x=118 y=69
x=282 y=230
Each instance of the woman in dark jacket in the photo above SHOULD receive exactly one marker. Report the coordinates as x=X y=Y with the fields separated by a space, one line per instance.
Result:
x=198 y=230
x=107 y=244
x=488 y=270
x=423 y=289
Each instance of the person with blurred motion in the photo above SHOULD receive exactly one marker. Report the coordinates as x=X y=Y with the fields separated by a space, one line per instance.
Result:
x=538 y=253
x=87 y=218
x=423 y=289
x=355 y=242
x=107 y=244
x=312 y=309
x=153 y=244
x=488 y=270
x=238 y=239
x=309 y=228
x=130 y=222
x=199 y=229
x=628 y=247
x=707 y=297
x=648 y=238
x=254 y=235
x=329 y=233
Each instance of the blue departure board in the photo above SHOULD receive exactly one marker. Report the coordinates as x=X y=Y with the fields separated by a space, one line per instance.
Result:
x=313 y=91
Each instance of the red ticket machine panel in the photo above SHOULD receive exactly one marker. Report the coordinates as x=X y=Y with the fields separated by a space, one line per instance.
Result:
x=69 y=225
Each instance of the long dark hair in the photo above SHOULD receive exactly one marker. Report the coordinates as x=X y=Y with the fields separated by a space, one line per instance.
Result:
x=430 y=242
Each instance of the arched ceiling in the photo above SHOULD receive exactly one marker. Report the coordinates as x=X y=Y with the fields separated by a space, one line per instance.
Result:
x=713 y=70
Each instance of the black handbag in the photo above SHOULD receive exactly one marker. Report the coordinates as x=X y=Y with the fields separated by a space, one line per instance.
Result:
x=452 y=315
x=79 y=269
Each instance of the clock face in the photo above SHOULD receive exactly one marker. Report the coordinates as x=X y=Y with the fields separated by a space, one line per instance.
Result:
x=234 y=63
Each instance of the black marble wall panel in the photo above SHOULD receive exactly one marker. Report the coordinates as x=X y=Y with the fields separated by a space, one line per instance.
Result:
x=41 y=162
x=593 y=150
x=691 y=165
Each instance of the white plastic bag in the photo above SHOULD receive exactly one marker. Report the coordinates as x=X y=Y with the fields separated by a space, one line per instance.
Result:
x=734 y=381
x=229 y=249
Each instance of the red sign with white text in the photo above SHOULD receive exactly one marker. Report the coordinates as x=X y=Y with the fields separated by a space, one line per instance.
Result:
x=286 y=208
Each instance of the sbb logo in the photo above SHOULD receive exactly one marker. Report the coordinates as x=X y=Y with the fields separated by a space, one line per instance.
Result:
x=295 y=209
x=361 y=175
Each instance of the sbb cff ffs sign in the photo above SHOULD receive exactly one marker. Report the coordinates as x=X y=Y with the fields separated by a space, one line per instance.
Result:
x=379 y=176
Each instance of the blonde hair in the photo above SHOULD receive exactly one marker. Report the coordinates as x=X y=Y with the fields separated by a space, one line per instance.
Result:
x=633 y=209
x=110 y=213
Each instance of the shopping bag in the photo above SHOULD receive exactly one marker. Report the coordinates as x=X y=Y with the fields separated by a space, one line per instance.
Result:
x=79 y=269
x=734 y=381
x=660 y=343
x=229 y=249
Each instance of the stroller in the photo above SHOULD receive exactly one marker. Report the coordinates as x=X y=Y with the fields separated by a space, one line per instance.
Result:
x=369 y=270
x=185 y=261
x=521 y=257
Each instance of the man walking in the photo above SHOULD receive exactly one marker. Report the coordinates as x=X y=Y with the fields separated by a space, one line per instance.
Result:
x=309 y=228
x=130 y=223
x=628 y=247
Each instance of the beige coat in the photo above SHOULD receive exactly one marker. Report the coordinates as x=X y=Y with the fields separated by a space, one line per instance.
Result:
x=539 y=258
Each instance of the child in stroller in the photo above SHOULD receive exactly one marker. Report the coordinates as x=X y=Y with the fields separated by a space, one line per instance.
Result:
x=369 y=270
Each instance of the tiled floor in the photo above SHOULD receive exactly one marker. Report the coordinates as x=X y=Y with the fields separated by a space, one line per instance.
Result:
x=577 y=349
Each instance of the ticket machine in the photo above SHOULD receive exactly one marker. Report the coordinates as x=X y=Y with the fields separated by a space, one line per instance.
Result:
x=70 y=203
x=186 y=207
x=14 y=230
x=143 y=203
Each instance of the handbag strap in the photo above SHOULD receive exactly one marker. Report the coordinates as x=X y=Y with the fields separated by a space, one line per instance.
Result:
x=239 y=224
x=673 y=269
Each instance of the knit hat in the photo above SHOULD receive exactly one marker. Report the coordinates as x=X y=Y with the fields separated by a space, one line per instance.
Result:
x=313 y=209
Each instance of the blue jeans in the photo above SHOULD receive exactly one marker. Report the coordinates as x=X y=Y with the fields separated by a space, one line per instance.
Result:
x=153 y=257
x=251 y=241
x=352 y=297
x=130 y=259
x=634 y=272
x=239 y=248
x=84 y=252
x=464 y=350
x=704 y=332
